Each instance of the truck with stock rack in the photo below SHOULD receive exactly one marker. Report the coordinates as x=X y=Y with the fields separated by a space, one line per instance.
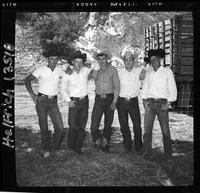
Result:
x=175 y=36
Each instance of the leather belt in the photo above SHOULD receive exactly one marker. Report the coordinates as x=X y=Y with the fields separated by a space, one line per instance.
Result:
x=79 y=98
x=127 y=99
x=47 y=96
x=158 y=100
x=103 y=96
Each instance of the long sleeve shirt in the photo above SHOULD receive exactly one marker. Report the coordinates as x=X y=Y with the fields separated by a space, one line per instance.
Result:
x=76 y=84
x=107 y=82
x=160 y=84
x=129 y=82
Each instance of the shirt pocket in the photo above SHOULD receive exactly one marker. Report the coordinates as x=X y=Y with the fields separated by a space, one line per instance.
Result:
x=74 y=81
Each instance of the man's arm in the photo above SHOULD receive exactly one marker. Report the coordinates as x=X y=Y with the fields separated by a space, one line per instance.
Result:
x=65 y=95
x=171 y=87
x=94 y=74
x=28 y=85
x=144 y=92
x=116 y=84
x=92 y=70
x=63 y=88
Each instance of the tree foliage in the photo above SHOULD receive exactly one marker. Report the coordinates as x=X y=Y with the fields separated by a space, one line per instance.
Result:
x=60 y=28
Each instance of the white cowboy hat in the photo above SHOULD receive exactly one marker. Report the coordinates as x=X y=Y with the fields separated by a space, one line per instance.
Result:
x=129 y=53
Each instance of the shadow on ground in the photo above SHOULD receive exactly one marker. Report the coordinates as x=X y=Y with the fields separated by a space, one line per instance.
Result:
x=96 y=168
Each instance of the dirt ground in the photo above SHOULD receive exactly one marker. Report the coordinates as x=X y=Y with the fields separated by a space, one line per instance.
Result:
x=95 y=168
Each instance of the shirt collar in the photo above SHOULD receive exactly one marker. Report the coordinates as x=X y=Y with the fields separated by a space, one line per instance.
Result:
x=160 y=68
x=50 y=68
x=108 y=67
x=125 y=70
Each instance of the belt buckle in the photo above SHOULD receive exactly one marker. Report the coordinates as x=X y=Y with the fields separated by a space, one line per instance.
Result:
x=50 y=97
x=103 y=96
x=81 y=98
x=127 y=99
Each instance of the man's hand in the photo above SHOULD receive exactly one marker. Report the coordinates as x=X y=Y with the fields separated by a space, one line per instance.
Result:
x=69 y=70
x=113 y=106
x=94 y=74
x=142 y=74
x=35 y=98
x=71 y=104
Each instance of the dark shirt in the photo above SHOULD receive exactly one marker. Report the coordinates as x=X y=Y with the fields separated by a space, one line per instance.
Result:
x=107 y=81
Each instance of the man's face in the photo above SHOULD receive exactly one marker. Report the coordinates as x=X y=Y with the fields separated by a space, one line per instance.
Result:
x=155 y=62
x=78 y=63
x=53 y=60
x=129 y=62
x=102 y=60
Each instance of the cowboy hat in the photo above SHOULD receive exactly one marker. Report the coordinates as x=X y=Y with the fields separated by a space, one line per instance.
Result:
x=104 y=52
x=157 y=52
x=78 y=54
x=129 y=53
x=52 y=50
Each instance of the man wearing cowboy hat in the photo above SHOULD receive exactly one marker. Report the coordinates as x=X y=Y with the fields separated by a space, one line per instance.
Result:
x=107 y=88
x=46 y=100
x=148 y=68
x=130 y=83
x=74 y=88
x=159 y=89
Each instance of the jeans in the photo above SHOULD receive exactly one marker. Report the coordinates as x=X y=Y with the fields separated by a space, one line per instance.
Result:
x=131 y=108
x=77 y=121
x=151 y=110
x=102 y=106
x=49 y=107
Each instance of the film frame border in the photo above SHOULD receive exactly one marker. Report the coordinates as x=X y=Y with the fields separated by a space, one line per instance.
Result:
x=9 y=11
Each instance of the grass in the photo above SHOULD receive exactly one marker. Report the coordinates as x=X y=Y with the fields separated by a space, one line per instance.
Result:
x=93 y=167
x=96 y=168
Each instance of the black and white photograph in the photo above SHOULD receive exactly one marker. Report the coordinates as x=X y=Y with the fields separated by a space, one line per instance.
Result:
x=101 y=98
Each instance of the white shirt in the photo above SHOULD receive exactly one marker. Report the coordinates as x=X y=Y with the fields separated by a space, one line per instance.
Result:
x=76 y=84
x=48 y=79
x=160 y=84
x=129 y=82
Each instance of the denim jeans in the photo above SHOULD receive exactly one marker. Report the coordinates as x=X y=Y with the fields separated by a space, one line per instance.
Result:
x=151 y=110
x=131 y=108
x=102 y=106
x=77 y=121
x=49 y=107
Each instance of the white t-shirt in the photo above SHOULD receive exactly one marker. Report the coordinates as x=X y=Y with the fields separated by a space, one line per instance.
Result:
x=48 y=79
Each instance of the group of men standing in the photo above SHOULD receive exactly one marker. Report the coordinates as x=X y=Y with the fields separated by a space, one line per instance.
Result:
x=113 y=90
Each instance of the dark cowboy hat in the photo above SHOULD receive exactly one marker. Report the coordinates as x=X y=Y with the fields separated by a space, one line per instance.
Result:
x=52 y=50
x=78 y=54
x=104 y=52
x=157 y=52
